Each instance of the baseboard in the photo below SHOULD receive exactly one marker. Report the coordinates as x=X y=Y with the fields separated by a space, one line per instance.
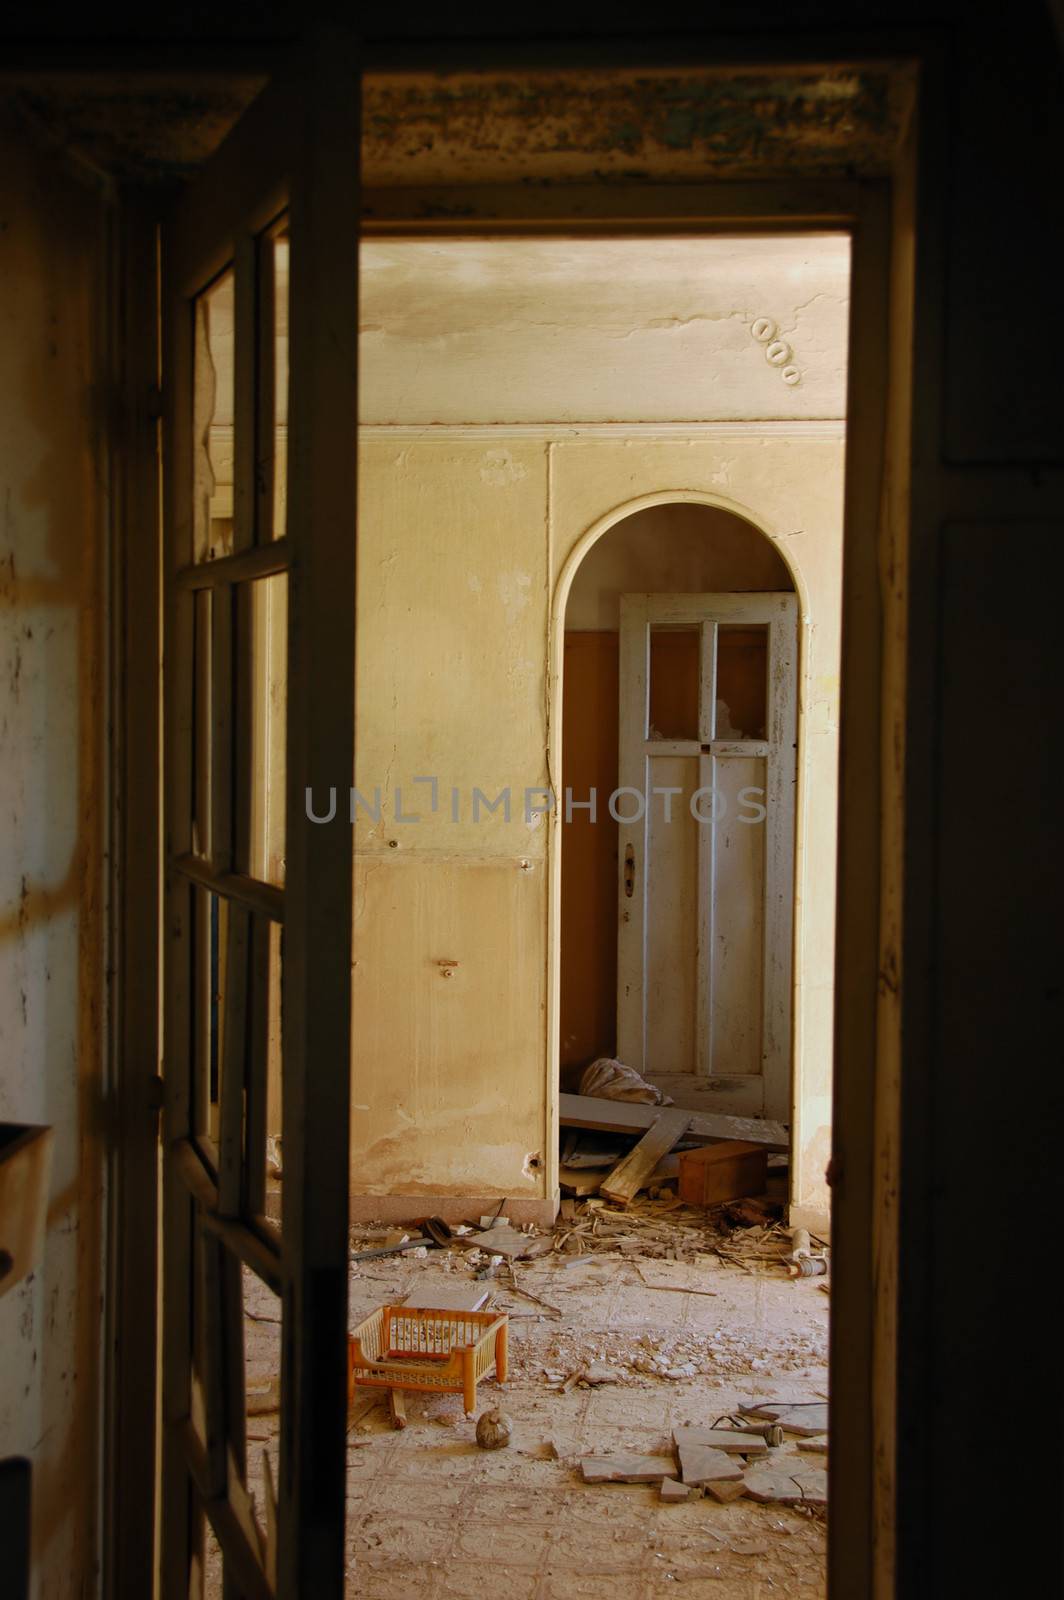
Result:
x=409 y=1208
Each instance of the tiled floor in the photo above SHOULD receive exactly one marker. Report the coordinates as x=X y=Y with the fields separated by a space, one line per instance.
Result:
x=430 y=1514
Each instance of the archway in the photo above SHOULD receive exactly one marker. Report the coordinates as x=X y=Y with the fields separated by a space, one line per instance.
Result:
x=684 y=543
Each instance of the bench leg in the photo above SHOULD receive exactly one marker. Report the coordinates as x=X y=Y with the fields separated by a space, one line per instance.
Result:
x=502 y=1351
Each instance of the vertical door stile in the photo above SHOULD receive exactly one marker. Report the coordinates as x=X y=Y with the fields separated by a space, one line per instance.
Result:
x=632 y=836
x=179 y=1519
x=325 y=222
x=707 y=732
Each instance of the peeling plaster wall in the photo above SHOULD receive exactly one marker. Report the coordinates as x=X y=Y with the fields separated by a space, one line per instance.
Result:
x=464 y=536
x=52 y=805
x=531 y=331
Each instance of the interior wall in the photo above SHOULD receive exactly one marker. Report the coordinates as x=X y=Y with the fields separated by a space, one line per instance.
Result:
x=664 y=549
x=53 y=802
x=513 y=394
x=463 y=541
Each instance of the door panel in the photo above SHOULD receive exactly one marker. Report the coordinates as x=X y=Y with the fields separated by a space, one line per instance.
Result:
x=707 y=772
x=255 y=615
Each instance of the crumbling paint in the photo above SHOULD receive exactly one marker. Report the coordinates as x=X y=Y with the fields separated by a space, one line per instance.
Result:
x=626 y=126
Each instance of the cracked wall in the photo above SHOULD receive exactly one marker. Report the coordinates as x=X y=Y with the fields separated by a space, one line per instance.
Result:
x=508 y=407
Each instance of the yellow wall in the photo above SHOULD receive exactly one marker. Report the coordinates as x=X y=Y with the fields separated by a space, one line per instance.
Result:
x=467 y=546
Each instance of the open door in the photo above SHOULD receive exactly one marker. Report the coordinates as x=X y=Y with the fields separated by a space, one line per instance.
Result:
x=708 y=695
x=259 y=302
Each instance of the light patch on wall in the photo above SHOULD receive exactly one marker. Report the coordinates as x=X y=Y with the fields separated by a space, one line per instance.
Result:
x=500 y=469
x=514 y=591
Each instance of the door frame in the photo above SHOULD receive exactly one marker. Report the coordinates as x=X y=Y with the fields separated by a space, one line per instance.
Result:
x=867 y=1092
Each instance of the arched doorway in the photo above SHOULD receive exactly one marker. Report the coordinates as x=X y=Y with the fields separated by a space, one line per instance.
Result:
x=679 y=690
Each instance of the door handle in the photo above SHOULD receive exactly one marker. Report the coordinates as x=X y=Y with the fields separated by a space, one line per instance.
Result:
x=629 y=871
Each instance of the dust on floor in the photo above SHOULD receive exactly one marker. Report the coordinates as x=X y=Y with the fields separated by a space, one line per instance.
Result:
x=431 y=1514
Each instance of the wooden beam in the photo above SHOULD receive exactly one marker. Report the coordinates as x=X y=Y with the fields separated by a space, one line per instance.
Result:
x=622 y=1116
x=633 y=1170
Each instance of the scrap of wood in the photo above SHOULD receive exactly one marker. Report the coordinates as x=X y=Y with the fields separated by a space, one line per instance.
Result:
x=632 y=1172
x=620 y=1116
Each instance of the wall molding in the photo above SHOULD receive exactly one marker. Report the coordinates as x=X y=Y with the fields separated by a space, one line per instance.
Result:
x=560 y=432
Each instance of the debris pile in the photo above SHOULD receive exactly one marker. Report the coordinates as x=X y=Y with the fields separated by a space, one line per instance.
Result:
x=748 y=1455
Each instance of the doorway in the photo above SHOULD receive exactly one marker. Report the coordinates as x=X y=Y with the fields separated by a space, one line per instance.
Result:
x=677 y=879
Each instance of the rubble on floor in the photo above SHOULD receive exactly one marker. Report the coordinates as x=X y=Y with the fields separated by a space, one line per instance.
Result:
x=631 y=1329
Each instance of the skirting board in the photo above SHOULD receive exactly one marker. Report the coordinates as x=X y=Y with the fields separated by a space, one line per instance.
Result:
x=408 y=1207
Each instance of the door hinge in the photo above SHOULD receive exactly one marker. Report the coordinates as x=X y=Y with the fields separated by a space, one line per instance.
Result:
x=155 y=1092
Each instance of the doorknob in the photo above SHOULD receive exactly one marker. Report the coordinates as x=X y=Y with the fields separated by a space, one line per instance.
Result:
x=629 y=871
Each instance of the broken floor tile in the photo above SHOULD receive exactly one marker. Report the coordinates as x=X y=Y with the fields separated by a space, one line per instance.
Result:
x=672 y=1491
x=627 y=1468
x=804 y=1419
x=787 y=1481
x=700 y=1464
x=726 y=1489
x=726 y=1439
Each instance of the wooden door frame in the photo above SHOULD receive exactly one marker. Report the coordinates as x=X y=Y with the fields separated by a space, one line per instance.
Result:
x=866 y=1091
x=867 y=1095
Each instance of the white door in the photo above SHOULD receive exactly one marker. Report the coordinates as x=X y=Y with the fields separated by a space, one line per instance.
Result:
x=705 y=804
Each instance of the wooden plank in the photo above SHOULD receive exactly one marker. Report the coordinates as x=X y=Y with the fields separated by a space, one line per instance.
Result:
x=631 y=1173
x=619 y=1116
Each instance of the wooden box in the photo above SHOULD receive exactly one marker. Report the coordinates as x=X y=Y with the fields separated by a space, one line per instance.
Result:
x=731 y=1170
